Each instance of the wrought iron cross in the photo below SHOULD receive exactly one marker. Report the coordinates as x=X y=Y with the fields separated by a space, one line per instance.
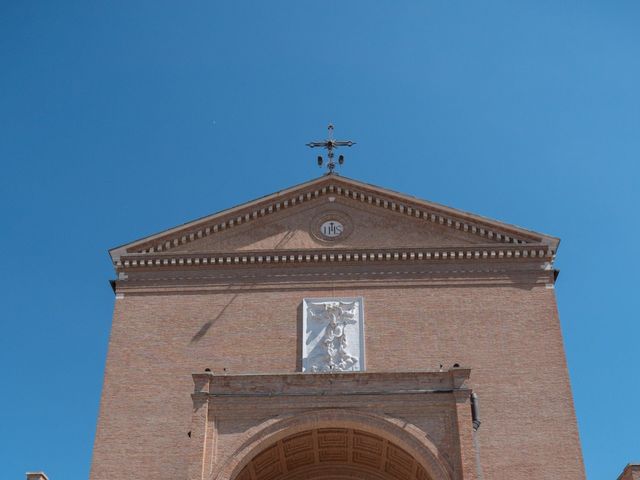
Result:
x=330 y=144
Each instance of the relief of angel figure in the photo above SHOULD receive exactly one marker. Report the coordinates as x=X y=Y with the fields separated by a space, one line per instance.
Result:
x=335 y=343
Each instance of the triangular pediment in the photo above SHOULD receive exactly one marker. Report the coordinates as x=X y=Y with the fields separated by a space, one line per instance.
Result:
x=369 y=217
x=360 y=226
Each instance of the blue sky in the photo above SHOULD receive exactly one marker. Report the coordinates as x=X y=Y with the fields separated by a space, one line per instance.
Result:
x=118 y=120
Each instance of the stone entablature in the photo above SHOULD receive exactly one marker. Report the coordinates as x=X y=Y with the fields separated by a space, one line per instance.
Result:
x=175 y=281
x=326 y=384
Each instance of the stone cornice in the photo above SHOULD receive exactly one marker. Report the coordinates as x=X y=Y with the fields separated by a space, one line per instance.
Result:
x=492 y=231
x=493 y=252
x=327 y=384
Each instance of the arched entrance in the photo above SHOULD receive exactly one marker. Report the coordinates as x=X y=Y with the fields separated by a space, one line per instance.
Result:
x=340 y=426
x=333 y=453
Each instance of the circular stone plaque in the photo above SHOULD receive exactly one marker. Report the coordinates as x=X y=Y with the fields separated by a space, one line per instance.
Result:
x=332 y=228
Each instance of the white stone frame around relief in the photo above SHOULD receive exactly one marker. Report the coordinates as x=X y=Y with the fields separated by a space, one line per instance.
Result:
x=341 y=349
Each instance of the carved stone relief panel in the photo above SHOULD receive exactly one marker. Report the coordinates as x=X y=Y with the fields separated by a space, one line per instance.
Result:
x=333 y=335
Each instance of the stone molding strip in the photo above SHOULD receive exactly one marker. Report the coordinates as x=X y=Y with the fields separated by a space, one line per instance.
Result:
x=344 y=383
x=415 y=209
x=170 y=282
x=324 y=256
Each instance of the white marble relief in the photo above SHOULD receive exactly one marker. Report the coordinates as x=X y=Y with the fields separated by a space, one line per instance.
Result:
x=333 y=335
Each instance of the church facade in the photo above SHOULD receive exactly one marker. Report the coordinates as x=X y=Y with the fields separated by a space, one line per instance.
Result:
x=337 y=330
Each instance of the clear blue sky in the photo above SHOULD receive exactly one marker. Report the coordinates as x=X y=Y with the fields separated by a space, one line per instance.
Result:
x=118 y=120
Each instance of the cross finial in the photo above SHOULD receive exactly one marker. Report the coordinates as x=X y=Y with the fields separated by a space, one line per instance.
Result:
x=330 y=144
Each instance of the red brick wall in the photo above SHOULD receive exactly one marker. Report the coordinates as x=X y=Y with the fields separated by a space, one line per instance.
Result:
x=502 y=324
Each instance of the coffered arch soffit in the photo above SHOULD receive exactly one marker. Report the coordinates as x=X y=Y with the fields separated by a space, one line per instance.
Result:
x=406 y=447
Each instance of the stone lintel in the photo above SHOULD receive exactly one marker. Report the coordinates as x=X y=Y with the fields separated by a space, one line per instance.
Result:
x=344 y=383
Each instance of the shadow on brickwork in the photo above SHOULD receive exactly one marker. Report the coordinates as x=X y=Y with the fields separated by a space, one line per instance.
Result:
x=205 y=328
